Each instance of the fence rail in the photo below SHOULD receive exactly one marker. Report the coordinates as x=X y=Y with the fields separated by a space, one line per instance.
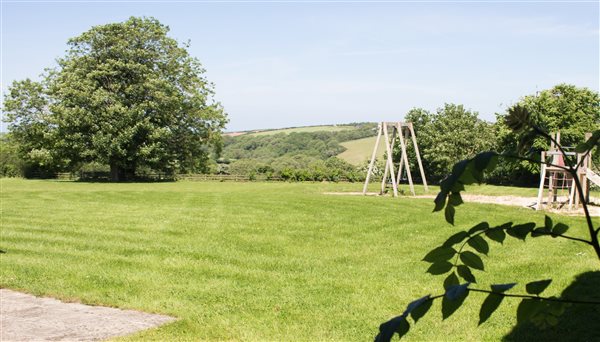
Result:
x=105 y=176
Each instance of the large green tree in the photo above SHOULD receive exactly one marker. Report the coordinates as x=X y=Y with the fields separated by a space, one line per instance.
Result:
x=127 y=95
x=26 y=111
x=451 y=134
x=571 y=110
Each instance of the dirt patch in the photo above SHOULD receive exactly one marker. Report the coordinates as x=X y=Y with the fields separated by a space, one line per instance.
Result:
x=525 y=202
x=24 y=317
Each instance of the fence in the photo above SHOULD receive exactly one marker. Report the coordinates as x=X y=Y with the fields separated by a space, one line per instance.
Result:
x=105 y=177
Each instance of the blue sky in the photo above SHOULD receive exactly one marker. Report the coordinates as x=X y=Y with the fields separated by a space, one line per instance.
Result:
x=281 y=64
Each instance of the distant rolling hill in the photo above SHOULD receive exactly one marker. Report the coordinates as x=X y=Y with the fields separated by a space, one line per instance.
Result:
x=324 y=128
x=360 y=150
x=357 y=150
x=320 y=128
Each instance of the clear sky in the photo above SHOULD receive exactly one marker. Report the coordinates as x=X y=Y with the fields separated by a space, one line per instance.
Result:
x=281 y=64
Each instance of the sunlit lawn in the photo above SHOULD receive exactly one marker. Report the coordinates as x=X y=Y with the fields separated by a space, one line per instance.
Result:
x=261 y=261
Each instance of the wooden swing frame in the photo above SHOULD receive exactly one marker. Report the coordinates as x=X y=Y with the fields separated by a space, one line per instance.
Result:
x=404 y=131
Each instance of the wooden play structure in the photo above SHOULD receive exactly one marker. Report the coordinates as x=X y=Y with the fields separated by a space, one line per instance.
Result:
x=392 y=175
x=553 y=178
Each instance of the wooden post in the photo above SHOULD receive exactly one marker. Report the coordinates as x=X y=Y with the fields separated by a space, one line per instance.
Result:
x=550 y=187
x=390 y=163
x=386 y=168
x=573 y=193
x=385 y=178
x=414 y=140
x=587 y=164
x=373 y=157
x=405 y=160
x=542 y=181
x=400 y=164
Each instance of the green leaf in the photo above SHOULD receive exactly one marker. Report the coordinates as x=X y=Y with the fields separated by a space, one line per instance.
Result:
x=440 y=254
x=594 y=140
x=521 y=231
x=526 y=141
x=496 y=234
x=540 y=232
x=440 y=201
x=518 y=118
x=485 y=161
x=478 y=227
x=469 y=175
x=451 y=280
x=465 y=273
x=403 y=328
x=527 y=309
x=479 y=244
x=439 y=267
x=472 y=260
x=449 y=214
x=560 y=229
x=548 y=222
x=456 y=238
x=490 y=304
x=456 y=291
x=455 y=199
x=421 y=310
x=492 y=163
x=459 y=168
x=450 y=306
x=501 y=288
x=537 y=287
x=387 y=330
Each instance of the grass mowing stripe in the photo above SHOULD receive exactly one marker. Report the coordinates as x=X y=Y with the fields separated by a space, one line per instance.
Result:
x=258 y=261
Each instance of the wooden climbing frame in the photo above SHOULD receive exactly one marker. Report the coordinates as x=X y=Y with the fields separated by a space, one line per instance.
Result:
x=553 y=175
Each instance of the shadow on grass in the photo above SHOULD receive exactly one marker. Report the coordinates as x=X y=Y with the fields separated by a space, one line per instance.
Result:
x=579 y=322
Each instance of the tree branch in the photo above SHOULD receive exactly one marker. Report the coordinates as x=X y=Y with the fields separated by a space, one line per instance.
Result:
x=533 y=161
x=537 y=297
x=556 y=143
x=566 y=237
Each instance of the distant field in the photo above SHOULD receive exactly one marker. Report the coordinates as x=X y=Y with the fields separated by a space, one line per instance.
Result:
x=266 y=261
x=360 y=150
x=327 y=128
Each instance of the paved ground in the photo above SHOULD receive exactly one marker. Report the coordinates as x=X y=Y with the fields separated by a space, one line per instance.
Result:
x=24 y=317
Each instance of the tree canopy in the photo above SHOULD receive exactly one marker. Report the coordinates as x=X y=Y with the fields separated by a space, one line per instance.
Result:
x=571 y=110
x=126 y=95
x=451 y=134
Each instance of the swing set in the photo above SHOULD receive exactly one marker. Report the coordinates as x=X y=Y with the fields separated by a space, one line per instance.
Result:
x=403 y=131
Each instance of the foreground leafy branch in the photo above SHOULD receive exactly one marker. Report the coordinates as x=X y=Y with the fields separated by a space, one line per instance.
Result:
x=461 y=254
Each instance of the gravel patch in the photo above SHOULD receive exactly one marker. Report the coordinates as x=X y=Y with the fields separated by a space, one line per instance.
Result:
x=525 y=202
x=24 y=317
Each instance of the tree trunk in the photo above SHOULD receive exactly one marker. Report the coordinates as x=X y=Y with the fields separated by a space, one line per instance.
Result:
x=116 y=172
x=120 y=174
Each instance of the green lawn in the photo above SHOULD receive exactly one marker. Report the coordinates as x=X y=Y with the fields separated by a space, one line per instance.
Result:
x=260 y=261
x=325 y=128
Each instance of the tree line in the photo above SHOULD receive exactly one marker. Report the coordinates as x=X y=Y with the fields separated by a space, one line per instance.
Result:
x=128 y=100
x=446 y=136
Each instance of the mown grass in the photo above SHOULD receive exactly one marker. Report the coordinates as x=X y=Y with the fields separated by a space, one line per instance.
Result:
x=260 y=261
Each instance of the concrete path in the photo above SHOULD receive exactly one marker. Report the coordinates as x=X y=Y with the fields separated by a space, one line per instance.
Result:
x=24 y=317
